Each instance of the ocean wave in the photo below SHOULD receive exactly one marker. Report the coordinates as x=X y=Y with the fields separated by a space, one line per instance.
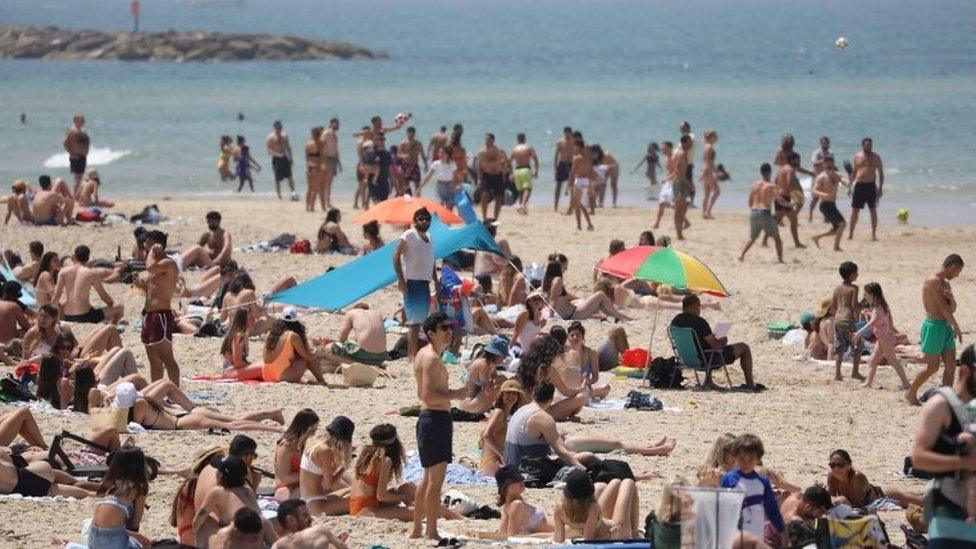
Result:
x=96 y=157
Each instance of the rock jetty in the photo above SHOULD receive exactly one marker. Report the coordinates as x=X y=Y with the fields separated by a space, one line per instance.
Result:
x=17 y=42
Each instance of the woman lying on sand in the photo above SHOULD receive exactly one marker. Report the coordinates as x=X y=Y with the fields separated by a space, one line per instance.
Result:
x=849 y=486
x=568 y=306
x=287 y=355
x=325 y=475
x=150 y=411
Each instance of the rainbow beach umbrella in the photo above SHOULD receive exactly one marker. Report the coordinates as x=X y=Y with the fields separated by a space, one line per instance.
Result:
x=664 y=266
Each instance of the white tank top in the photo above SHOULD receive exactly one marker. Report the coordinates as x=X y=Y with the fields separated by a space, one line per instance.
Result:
x=418 y=259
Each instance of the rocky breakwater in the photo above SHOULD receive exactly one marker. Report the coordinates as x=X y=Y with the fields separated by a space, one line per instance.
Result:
x=18 y=42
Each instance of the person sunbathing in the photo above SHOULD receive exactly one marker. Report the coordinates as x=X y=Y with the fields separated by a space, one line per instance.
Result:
x=88 y=192
x=324 y=475
x=331 y=238
x=582 y=363
x=849 y=486
x=246 y=531
x=530 y=321
x=288 y=453
x=721 y=459
x=380 y=462
x=545 y=362
x=569 y=306
x=518 y=517
x=43 y=337
x=151 y=414
x=21 y=422
x=820 y=333
x=513 y=287
x=483 y=377
x=369 y=346
x=492 y=442
x=18 y=203
x=371 y=234
x=287 y=355
x=223 y=501
x=214 y=247
x=597 y=512
x=37 y=479
x=236 y=345
x=118 y=515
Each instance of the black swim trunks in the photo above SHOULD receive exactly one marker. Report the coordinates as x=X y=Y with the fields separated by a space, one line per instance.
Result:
x=93 y=316
x=865 y=193
x=282 y=167
x=831 y=213
x=435 y=437
x=562 y=171
x=78 y=164
x=726 y=357
x=493 y=184
x=30 y=484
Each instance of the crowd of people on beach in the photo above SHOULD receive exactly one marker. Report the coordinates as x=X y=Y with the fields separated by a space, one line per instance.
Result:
x=534 y=371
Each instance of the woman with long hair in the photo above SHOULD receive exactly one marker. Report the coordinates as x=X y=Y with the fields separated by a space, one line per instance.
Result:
x=492 y=442
x=224 y=154
x=234 y=348
x=543 y=362
x=331 y=237
x=316 y=165
x=598 y=512
x=46 y=278
x=325 y=475
x=379 y=463
x=513 y=287
x=570 y=307
x=52 y=384
x=371 y=234
x=518 y=517
x=882 y=327
x=288 y=453
x=709 y=175
x=287 y=355
x=118 y=515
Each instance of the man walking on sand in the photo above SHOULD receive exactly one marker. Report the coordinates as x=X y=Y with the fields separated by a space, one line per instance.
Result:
x=825 y=189
x=939 y=329
x=413 y=261
x=330 y=150
x=817 y=159
x=762 y=194
x=682 y=186
x=435 y=428
x=279 y=148
x=77 y=143
x=868 y=186
x=158 y=320
x=562 y=161
x=492 y=164
x=525 y=168
x=411 y=152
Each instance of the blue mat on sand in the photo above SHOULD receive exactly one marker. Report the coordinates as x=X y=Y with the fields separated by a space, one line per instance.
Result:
x=637 y=544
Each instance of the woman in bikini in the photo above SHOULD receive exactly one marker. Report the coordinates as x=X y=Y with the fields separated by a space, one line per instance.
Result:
x=483 y=376
x=597 y=512
x=543 y=362
x=118 y=514
x=316 y=164
x=650 y=172
x=568 y=306
x=287 y=355
x=231 y=494
x=492 y=442
x=371 y=234
x=324 y=476
x=849 y=486
x=44 y=336
x=518 y=517
x=379 y=463
x=288 y=453
x=235 y=346
x=529 y=323
x=709 y=176
x=223 y=158
x=46 y=278
x=513 y=287
x=331 y=238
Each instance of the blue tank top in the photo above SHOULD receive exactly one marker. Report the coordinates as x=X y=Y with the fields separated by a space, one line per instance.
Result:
x=517 y=443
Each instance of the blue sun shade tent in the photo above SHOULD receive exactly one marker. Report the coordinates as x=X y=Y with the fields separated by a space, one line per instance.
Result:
x=352 y=281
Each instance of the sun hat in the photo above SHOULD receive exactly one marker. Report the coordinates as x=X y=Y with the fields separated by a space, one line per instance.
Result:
x=498 y=346
x=288 y=314
x=578 y=485
x=511 y=386
x=125 y=395
x=506 y=475
x=342 y=428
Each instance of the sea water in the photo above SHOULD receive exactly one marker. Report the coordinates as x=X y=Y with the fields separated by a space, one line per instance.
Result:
x=624 y=72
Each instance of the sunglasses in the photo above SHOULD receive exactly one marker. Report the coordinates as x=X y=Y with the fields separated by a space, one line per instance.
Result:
x=445 y=327
x=836 y=464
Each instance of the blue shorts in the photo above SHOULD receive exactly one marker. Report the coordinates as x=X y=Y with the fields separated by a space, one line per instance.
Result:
x=416 y=301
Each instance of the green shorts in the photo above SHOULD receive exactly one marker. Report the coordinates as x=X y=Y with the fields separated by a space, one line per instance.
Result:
x=682 y=189
x=523 y=178
x=352 y=351
x=937 y=337
x=762 y=220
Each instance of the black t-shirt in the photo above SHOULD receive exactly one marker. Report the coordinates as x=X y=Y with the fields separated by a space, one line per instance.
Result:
x=696 y=323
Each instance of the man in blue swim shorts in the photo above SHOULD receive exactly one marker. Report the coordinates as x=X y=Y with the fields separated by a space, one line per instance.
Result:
x=413 y=261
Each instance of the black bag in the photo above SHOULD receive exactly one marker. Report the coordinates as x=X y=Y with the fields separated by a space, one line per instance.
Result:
x=665 y=374
x=539 y=471
x=609 y=469
x=211 y=328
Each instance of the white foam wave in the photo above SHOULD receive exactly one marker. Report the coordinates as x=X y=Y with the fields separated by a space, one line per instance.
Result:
x=96 y=157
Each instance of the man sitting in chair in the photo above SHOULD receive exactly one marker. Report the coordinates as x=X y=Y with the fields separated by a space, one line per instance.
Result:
x=690 y=317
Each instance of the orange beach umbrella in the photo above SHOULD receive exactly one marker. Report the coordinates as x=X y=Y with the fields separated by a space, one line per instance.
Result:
x=400 y=210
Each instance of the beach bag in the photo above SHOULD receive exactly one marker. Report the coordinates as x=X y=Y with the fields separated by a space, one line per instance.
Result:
x=665 y=374
x=539 y=471
x=609 y=469
x=634 y=358
x=211 y=328
x=663 y=535
x=302 y=246
x=109 y=418
x=88 y=216
x=13 y=391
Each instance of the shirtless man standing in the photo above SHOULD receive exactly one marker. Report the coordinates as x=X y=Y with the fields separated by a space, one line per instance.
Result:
x=868 y=186
x=562 y=161
x=939 y=329
x=683 y=187
x=787 y=184
x=492 y=164
x=817 y=159
x=88 y=195
x=330 y=154
x=279 y=148
x=525 y=168
x=411 y=152
x=213 y=248
x=435 y=429
x=761 y=197
x=581 y=176
x=369 y=346
x=437 y=142
x=49 y=207
x=825 y=189
x=76 y=281
x=77 y=144
x=158 y=320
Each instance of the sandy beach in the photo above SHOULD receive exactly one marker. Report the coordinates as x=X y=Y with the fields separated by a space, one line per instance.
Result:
x=801 y=418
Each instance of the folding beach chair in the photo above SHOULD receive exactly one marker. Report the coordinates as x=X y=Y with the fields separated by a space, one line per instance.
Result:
x=57 y=453
x=689 y=351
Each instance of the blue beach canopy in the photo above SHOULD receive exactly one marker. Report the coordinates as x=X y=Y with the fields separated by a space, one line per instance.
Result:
x=26 y=294
x=352 y=281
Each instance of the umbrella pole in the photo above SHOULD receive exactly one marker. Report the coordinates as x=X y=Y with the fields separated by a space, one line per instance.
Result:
x=650 y=344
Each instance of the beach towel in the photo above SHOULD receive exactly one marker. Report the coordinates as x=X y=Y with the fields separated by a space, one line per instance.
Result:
x=457 y=475
x=607 y=404
x=281 y=243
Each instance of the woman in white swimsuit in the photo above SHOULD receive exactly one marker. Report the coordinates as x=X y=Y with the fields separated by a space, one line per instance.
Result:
x=324 y=477
x=518 y=517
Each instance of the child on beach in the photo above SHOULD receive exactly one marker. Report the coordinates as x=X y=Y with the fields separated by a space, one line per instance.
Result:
x=244 y=165
x=883 y=328
x=844 y=305
x=760 y=502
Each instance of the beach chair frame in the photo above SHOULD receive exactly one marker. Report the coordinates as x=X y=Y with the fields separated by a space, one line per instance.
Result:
x=684 y=337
